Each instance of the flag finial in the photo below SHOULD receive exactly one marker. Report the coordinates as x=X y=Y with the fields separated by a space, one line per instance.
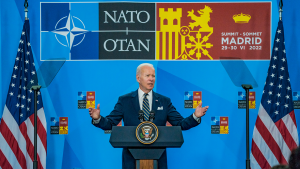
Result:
x=280 y=9
x=26 y=10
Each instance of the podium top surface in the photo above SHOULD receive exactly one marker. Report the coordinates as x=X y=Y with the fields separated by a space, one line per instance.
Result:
x=125 y=137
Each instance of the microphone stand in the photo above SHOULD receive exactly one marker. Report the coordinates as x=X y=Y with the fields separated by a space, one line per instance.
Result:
x=152 y=116
x=141 y=116
x=247 y=87
x=36 y=89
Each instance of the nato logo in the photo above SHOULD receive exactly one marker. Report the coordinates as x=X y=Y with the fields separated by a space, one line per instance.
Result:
x=241 y=96
x=66 y=31
x=296 y=96
x=188 y=95
x=188 y=99
x=215 y=125
x=296 y=100
x=81 y=100
x=54 y=125
x=81 y=96
x=215 y=120
x=54 y=122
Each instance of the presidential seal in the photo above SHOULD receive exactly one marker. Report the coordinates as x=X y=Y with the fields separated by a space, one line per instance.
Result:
x=146 y=132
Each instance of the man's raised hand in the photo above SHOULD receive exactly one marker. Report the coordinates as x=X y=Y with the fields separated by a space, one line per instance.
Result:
x=200 y=111
x=95 y=113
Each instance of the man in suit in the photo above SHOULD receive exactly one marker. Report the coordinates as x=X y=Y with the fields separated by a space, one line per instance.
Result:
x=145 y=99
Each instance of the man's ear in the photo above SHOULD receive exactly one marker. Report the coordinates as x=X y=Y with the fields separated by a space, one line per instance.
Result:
x=138 y=78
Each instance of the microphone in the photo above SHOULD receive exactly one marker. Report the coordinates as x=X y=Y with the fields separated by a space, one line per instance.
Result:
x=141 y=115
x=152 y=115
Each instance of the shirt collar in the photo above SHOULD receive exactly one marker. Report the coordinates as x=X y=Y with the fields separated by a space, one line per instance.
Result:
x=141 y=93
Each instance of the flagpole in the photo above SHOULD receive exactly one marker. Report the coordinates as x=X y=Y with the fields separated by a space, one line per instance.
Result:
x=247 y=87
x=280 y=9
x=26 y=10
x=36 y=89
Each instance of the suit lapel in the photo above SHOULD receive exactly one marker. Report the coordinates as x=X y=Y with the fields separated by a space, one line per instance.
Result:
x=155 y=100
x=135 y=101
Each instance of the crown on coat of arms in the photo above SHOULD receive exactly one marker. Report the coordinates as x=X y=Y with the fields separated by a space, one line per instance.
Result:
x=241 y=18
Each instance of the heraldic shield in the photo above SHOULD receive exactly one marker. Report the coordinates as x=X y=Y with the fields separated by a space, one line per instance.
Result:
x=146 y=132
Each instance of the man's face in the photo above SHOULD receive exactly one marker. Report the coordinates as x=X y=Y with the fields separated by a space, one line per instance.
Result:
x=146 y=78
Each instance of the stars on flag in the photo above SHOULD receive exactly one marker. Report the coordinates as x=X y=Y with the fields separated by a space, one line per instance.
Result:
x=278 y=31
x=276 y=77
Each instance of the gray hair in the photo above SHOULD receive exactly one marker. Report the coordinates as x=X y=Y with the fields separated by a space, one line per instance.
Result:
x=138 y=69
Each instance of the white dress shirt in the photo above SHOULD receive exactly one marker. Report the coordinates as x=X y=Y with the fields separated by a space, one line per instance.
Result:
x=141 y=98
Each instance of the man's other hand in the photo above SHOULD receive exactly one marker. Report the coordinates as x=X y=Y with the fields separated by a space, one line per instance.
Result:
x=200 y=111
x=95 y=113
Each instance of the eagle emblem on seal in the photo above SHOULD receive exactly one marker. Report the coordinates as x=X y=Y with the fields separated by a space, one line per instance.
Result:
x=147 y=132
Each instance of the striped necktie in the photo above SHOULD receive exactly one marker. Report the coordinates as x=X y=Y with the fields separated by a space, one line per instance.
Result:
x=146 y=108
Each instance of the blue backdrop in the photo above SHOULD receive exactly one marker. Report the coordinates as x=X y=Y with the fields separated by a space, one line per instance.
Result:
x=88 y=147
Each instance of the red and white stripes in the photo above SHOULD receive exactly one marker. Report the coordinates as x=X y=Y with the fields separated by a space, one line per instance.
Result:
x=17 y=142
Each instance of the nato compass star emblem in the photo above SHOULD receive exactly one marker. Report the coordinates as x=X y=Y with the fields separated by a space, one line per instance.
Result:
x=70 y=31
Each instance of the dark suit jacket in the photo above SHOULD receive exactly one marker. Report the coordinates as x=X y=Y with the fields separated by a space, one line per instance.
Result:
x=127 y=109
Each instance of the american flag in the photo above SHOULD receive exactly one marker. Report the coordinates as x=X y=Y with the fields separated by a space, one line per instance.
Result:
x=17 y=123
x=275 y=133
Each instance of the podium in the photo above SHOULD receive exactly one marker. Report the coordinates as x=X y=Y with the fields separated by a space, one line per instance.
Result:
x=146 y=155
